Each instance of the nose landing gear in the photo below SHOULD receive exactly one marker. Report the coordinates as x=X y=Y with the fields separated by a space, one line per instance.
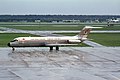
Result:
x=13 y=49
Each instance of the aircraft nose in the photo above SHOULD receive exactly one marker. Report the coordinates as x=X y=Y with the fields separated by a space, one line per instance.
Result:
x=8 y=44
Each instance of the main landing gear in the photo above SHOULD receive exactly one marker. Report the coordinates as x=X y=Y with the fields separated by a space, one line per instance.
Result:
x=57 y=48
x=51 y=48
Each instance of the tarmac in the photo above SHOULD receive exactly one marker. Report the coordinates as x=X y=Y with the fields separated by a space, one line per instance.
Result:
x=70 y=63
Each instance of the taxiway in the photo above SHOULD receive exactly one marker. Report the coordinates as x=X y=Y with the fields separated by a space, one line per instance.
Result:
x=70 y=63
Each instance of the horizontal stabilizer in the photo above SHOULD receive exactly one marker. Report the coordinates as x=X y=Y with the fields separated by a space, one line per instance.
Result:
x=90 y=27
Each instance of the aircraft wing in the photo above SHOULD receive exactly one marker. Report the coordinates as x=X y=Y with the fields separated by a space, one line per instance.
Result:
x=60 y=44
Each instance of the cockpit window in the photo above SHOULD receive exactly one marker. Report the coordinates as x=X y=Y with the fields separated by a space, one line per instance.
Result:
x=14 y=40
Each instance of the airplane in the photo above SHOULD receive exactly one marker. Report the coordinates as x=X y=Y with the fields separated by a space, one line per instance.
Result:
x=51 y=41
x=114 y=20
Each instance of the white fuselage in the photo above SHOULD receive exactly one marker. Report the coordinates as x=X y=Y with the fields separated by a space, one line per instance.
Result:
x=43 y=41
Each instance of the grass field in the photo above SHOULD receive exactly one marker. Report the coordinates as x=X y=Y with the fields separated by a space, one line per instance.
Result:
x=59 y=27
x=110 y=39
x=106 y=39
x=46 y=26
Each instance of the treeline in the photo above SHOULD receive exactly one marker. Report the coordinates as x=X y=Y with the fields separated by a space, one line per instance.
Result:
x=50 y=18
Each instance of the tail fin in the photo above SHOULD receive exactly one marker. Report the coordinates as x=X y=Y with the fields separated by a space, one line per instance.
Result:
x=85 y=32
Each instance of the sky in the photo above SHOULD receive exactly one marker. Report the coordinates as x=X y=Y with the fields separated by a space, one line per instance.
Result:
x=60 y=7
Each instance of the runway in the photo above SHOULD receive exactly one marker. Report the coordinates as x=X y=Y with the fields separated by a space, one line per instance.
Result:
x=70 y=63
